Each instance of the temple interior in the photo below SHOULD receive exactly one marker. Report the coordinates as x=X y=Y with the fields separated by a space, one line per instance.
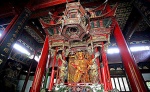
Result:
x=74 y=46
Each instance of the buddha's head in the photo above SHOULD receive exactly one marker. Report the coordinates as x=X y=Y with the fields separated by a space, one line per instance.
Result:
x=80 y=55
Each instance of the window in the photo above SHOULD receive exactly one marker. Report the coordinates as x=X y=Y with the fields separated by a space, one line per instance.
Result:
x=120 y=83
x=126 y=84
x=146 y=77
x=117 y=84
x=148 y=84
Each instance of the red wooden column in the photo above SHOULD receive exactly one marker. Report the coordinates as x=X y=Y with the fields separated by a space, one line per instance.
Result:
x=52 y=73
x=104 y=76
x=103 y=69
x=105 y=62
x=47 y=72
x=99 y=68
x=130 y=66
x=40 y=68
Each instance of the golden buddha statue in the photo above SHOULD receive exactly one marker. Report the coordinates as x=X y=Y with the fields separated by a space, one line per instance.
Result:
x=82 y=66
x=79 y=66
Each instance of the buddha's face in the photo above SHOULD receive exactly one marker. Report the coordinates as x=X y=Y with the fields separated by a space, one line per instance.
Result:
x=80 y=55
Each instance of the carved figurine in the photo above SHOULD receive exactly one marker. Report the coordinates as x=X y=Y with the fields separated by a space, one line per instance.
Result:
x=63 y=70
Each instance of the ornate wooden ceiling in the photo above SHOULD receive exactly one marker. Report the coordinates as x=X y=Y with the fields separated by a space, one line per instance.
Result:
x=34 y=34
x=123 y=11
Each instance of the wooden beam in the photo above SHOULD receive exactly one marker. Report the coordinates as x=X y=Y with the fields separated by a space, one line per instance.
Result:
x=36 y=30
x=49 y=4
x=6 y=14
x=44 y=12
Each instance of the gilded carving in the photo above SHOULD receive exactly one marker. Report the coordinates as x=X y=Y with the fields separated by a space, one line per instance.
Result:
x=6 y=50
x=8 y=44
x=82 y=68
x=12 y=40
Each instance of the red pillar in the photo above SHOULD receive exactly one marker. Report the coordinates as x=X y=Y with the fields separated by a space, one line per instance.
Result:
x=51 y=80
x=104 y=76
x=105 y=62
x=40 y=68
x=52 y=73
x=130 y=66
x=99 y=68
x=58 y=70
x=104 y=70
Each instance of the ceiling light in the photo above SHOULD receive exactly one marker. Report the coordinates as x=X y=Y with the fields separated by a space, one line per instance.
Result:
x=37 y=58
x=113 y=50
x=133 y=49
x=140 y=48
x=21 y=49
